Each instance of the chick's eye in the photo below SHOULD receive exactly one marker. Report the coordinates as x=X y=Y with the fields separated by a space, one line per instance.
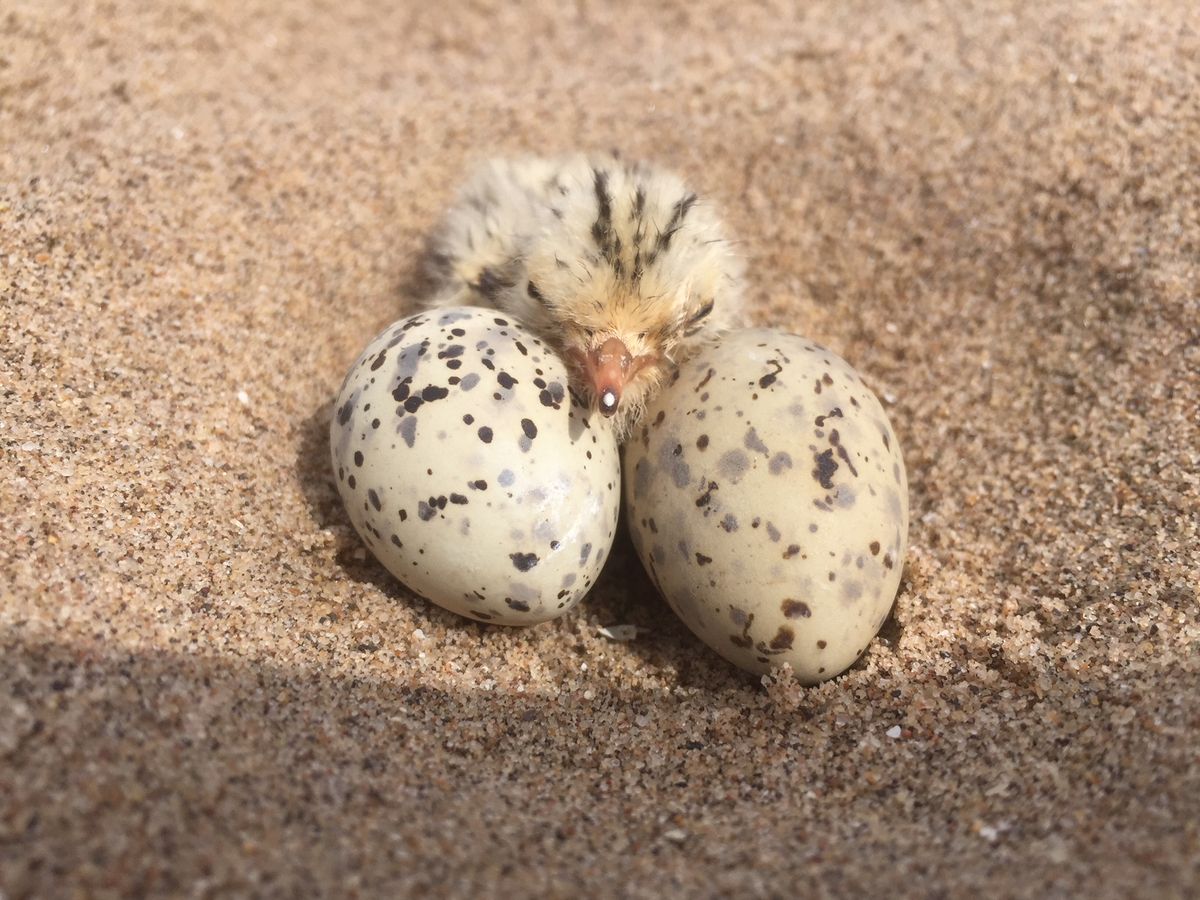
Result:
x=535 y=293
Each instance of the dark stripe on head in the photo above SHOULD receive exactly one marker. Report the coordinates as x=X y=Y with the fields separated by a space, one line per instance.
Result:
x=678 y=214
x=702 y=312
x=681 y=210
x=490 y=283
x=694 y=323
x=606 y=238
x=637 y=216
x=440 y=264
x=603 y=226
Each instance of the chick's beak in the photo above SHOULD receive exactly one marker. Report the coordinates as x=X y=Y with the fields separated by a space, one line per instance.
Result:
x=608 y=368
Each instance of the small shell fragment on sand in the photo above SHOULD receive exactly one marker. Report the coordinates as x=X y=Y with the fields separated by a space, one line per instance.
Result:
x=620 y=633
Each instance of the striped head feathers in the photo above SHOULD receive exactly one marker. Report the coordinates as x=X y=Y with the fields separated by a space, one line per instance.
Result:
x=620 y=267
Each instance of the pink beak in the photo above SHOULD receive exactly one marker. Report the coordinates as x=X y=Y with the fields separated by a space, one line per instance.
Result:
x=609 y=368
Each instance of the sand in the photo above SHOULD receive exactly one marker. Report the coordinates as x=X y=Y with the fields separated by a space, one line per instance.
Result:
x=208 y=688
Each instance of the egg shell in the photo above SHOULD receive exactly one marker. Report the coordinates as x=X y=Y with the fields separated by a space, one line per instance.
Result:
x=470 y=470
x=768 y=499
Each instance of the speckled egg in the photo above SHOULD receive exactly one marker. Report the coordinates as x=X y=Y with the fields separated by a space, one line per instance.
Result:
x=768 y=500
x=469 y=469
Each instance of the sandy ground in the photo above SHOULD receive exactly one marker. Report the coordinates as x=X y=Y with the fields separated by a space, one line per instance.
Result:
x=207 y=688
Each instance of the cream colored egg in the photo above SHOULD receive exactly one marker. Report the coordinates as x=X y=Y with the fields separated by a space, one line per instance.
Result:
x=768 y=500
x=469 y=470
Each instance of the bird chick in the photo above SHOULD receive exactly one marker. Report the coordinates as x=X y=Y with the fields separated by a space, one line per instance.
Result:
x=618 y=266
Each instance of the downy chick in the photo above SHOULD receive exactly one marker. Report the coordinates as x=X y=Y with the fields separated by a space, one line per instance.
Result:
x=617 y=266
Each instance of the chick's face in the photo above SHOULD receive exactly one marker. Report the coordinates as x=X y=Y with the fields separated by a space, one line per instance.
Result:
x=619 y=352
x=620 y=342
x=628 y=272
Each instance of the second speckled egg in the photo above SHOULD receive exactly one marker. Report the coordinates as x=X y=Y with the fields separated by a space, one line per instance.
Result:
x=768 y=500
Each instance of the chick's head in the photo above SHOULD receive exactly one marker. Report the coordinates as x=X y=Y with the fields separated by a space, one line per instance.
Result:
x=623 y=330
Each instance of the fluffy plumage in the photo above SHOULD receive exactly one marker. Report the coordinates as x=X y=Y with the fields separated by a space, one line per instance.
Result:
x=618 y=266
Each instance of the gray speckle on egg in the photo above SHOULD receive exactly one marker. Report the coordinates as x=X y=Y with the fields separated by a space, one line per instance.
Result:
x=469 y=471
x=775 y=470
